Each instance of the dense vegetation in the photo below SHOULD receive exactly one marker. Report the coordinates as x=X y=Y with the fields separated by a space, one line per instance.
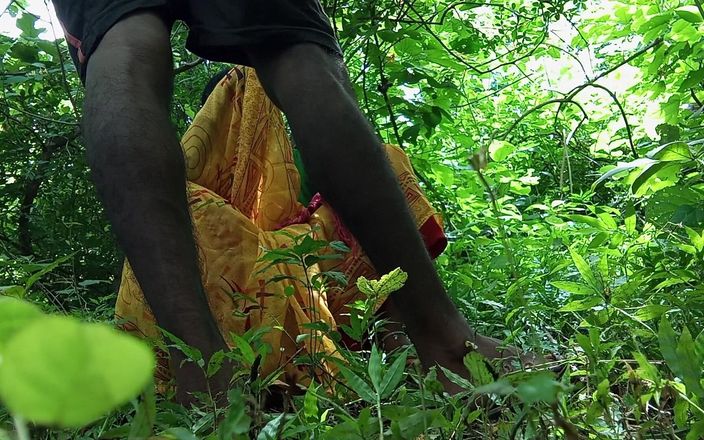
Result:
x=562 y=142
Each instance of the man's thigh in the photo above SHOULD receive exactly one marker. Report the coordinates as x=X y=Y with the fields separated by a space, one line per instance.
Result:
x=85 y=22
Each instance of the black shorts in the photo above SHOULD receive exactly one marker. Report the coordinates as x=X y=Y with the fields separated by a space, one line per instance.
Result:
x=218 y=29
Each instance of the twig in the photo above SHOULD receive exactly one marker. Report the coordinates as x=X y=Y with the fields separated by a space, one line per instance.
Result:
x=188 y=66
x=623 y=115
x=534 y=109
x=64 y=77
x=565 y=154
x=44 y=118
x=700 y=7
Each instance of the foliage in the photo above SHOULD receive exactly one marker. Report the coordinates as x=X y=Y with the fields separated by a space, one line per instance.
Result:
x=58 y=371
x=561 y=140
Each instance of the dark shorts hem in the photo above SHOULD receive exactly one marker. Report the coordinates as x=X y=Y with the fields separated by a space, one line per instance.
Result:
x=228 y=45
x=106 y=20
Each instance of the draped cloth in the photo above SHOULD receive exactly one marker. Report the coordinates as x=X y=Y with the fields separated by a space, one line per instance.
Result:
x=243 y=191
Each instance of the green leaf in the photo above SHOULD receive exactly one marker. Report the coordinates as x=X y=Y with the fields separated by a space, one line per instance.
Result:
x=411 y=424
x=572 y=287
x=46 y=268
x=215 y=363
x=699 y=345
x=386 y=285
x=581 y=305
x=26 y=24
x=394 y=375
x=476 y=365
x=584 y=269
x=15 y=314
x=681 y=410
x=693 y=79
x=500 y=150
x=642 y=183
x=501 y=387
x=651 y=311
x=271 y=430
x=668 y=344
x=24 y=52
x=689 y=13
x=695 y=238
x=629 y=218
x=236 y=421
x=58 y=371
x=591 y=221
x=696 y=431
x=648 y=370
x=358 y=385
x=676 y=205
x=365 y=286
x=310 y=403
x=655 y=21
x=539 y=388
x=244 y=347
x=622 y=168
x=142 y=426
x=457 y=379
x=673 y=151
x=390 y=282
x=689 y=363
x=375 y=368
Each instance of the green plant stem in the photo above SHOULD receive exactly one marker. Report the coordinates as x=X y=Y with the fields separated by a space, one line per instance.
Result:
x=21 y=428
x=502 y=230
x=700 y=7
x=378 y=414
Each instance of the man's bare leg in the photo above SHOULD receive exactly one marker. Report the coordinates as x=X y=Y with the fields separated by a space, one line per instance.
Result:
x=344 y=158
x=139 y=171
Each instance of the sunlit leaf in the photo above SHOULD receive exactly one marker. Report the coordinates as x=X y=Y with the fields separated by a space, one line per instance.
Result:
x=58 y=371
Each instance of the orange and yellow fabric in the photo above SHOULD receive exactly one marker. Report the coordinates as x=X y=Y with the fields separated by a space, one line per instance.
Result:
x=243 y=189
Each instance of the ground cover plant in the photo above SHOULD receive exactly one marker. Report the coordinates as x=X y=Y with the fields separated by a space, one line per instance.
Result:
x=560 y=140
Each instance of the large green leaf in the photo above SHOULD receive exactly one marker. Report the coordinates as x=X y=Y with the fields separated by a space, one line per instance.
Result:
x=59 y=371
x=676 y=205
x=394 y=375
x=539 y=388
x=15 y=314
x=500 y=150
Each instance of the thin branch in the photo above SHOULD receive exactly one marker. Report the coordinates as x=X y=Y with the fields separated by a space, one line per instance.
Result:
x=655 y=43
x=623 y=115
x=188 y=66
x=700 y=7
x=569 y=98
x=64 y=77
x=44 y=118
x=536 y=108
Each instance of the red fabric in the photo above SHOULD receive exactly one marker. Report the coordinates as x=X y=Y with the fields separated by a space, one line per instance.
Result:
x=433 y=237
x=75 y=42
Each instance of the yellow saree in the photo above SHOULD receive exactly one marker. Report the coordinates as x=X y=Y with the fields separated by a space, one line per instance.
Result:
x=243 y=189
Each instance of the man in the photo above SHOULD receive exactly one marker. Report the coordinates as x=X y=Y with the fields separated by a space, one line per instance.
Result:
x=123 y=52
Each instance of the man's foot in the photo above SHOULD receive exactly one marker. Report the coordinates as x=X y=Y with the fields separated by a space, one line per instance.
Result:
x=501 y=359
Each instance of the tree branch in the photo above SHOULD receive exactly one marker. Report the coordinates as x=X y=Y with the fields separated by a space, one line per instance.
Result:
x=31 y=190
x=188 y=66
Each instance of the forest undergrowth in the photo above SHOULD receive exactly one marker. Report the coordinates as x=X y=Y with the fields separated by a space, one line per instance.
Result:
x=562 y=142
